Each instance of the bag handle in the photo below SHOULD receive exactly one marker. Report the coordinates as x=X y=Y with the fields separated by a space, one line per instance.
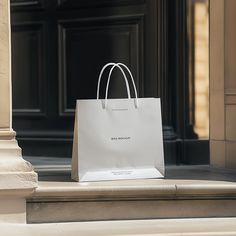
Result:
x=131 y=76
x=101 y=73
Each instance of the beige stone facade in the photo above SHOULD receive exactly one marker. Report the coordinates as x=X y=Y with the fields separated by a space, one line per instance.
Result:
x=17 y=178
x=222 y=83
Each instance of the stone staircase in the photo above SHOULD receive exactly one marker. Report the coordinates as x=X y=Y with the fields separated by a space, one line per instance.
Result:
x=187 y=194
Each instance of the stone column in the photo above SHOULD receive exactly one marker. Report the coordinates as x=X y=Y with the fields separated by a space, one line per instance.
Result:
x=17 y=178
x=223 y=83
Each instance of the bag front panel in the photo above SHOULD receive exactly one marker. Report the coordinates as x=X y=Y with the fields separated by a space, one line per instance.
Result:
x=120 y=136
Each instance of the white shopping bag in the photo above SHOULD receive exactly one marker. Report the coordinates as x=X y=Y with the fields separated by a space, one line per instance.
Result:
x=117 y=138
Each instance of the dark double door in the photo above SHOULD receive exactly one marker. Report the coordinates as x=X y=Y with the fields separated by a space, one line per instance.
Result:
x=59 y=47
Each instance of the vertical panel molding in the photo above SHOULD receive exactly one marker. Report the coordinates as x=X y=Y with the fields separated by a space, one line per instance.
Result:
x=125 y=28
x=217 y=117
x=29 y=73
x=217 y=73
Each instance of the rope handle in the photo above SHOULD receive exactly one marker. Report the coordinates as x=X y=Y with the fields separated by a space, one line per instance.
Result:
x=101 y=73
x=119 y=66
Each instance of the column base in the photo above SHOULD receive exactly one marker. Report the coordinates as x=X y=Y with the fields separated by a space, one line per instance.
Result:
x=12 y=210
x=17 y=176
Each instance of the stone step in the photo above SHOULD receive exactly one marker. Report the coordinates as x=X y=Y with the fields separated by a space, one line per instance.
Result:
x=160 y=227
x=131 y=199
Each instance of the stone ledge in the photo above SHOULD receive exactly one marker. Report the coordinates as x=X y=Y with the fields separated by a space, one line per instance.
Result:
x=134 y=189
x=76 y=211
x=174 y=227
x=130 y=200
x=186 y=192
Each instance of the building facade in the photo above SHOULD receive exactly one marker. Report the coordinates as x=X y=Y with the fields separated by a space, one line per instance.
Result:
x=186 y=202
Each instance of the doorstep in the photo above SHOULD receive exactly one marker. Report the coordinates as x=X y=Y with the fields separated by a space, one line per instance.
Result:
x=206 y=192
x=164 y=227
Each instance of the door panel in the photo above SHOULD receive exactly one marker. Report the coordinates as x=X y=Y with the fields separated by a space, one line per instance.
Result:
x=28 y=67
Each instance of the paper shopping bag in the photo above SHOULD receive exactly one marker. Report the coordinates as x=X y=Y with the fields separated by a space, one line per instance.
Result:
x=117 y=138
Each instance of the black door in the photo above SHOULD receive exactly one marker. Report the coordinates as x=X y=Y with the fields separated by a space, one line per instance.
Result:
x=59 y=47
